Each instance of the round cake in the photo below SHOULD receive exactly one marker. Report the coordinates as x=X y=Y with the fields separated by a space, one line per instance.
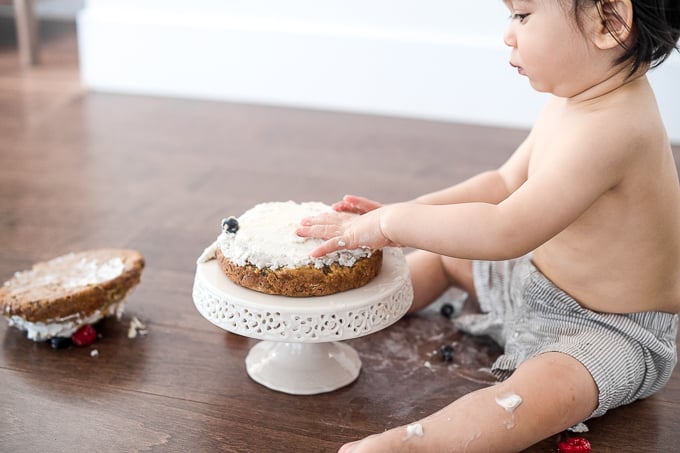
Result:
x=57 y=297
x=260 y=250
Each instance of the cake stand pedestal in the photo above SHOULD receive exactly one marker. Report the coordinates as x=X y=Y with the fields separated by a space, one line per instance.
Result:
x=301 y=352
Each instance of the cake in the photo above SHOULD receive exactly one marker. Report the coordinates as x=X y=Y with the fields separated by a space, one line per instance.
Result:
x=260 y=250
x=56 y=298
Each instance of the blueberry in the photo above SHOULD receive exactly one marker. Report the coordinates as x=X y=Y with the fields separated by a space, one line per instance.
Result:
x=446 y=310
x=60 y=342
x=446 y=351
x=230 y=225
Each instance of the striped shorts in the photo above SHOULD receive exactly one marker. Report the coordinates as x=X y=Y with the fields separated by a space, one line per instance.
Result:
x=528 y=315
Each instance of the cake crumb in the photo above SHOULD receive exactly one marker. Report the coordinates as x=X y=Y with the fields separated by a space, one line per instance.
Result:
x=579 y=428
x=136 y=328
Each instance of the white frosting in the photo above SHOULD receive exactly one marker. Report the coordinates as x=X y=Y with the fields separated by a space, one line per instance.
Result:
x=415 y=429
x=509 y=401
x=66 y=274
x=266 y=238
x=89 y=272
x=40 y=331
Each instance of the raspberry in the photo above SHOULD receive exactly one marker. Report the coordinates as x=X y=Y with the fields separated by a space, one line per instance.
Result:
x=574 y=445
x=84 y=336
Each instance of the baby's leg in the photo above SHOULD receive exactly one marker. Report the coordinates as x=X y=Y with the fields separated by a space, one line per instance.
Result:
x=545 y=395
x=432 y=274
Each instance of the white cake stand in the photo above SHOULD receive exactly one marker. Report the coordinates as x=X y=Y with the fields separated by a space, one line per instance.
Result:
x=301 y=353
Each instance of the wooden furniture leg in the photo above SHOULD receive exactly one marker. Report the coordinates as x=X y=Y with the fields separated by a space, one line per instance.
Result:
x=27 y=32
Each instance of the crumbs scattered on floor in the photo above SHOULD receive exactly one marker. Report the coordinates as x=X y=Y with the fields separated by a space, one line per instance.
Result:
x=136 y=328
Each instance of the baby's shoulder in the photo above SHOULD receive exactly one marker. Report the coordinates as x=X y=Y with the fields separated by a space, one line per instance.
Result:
x=628 y=123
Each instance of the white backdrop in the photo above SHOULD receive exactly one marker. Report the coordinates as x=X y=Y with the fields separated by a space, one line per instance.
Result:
x=435 y=59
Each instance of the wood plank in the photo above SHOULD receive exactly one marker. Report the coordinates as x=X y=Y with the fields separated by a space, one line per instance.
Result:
x=81 y=170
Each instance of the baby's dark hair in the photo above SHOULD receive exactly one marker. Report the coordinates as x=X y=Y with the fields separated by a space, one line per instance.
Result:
x=656 y=30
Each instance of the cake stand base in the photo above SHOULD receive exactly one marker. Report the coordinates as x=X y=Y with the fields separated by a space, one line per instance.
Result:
x=303 y=368
x=300 y=352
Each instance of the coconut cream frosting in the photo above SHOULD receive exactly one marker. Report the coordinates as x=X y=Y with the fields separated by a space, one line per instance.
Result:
x=66 y=272
x=65 y=327
x=266 y=238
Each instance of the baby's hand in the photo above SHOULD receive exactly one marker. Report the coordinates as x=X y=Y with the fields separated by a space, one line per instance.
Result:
x=392 y=441
x=343 y=231
x=357 y=205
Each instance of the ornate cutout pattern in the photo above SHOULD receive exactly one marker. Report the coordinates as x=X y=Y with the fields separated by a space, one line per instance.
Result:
x=301 y=327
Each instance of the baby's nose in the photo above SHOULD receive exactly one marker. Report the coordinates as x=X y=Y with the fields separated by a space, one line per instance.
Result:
x=509 y=37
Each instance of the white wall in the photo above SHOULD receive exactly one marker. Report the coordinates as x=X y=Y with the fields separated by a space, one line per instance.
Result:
x=434 y=59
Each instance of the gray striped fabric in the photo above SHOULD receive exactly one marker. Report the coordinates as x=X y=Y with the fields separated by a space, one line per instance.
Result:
x=526 y=314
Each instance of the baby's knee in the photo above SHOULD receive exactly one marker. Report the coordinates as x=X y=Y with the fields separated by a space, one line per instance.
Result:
x=557 y=384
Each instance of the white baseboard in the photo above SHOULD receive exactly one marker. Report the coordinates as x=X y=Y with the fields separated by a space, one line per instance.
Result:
x=408 y=71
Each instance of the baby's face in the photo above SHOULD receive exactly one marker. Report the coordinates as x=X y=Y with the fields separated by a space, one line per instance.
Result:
x=549 y=48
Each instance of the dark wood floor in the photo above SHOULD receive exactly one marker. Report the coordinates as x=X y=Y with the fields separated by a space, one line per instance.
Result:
x=84 y=170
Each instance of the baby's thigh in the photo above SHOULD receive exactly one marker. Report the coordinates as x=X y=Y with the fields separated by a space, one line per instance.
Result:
x=459 y=273
x=432 y=274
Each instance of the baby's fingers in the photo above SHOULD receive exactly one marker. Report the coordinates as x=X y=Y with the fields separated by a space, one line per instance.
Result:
x=323 y=231
x=329 y=246
x=388 y=441
x=357 y=205
x=325 y=218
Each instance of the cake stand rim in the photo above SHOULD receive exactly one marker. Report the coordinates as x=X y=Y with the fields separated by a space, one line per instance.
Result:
x=390 y=294
x=393 y=276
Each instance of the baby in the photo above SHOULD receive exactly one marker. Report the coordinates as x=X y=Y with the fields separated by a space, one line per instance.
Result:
x=572 y=247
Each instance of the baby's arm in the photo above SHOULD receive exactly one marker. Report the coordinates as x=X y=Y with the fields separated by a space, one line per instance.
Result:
x=565 y=181
x=489 y=186
x=545 y=395
x=492 y=186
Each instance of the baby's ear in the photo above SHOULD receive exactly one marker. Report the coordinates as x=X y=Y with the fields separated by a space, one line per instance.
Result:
x=616 y=23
